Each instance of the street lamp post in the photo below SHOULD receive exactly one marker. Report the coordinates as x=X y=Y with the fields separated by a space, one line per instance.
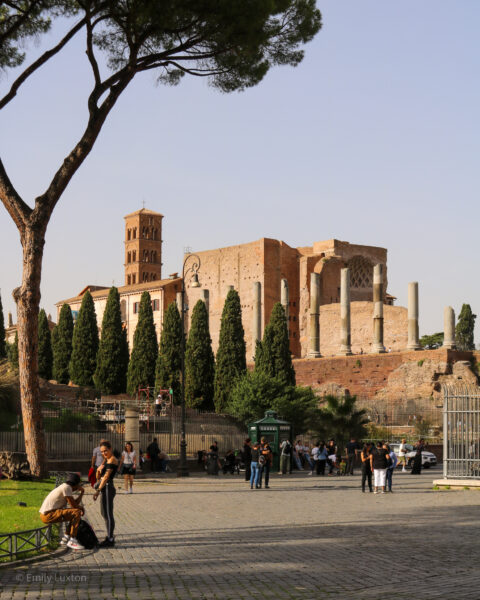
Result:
x=193 y=268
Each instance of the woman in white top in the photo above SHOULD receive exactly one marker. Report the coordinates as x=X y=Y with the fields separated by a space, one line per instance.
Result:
x=128 y=465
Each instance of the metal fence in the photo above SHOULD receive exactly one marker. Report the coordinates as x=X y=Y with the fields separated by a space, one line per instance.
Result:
x=202 y=429
x=461 y=424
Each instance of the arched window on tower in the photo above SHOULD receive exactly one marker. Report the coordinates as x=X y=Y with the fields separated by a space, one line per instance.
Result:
x=129 y=257
x=134 y=256
x=134 y=233
x=154 y=233
x=129 y=234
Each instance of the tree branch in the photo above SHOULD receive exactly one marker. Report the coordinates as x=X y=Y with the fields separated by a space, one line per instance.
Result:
x=19 y=21
x=39 y=62
x=90 y=52
x=16 y=207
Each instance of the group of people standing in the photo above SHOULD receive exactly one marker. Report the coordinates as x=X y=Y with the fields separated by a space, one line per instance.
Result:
x=258 y=459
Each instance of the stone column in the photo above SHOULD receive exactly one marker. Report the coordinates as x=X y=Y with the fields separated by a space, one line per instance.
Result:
x=345 y=327
x=10 y=319
x=257 y=315
x=449 y=328
x=284 y=296
x=132 y=428
x=205 y=296
x=413 y=342
x=314 y=316
x=377 y=345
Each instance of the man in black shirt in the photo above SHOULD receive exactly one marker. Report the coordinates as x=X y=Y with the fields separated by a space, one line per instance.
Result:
x=379 y=461
x=352 y=448
x=247 y=458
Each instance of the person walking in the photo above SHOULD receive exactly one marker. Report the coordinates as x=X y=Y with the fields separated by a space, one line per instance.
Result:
x=391 y=467
x=417 y=461
x=247 y=458
x=379 y=463
x=153 y=451
x=106 y=488
x=315 y=451
x=60 y=506
x=402 y=456
x=352 y=449
x=286 y=457
x=322 y=458
x=267 y=454
x=256 y=469
x=128 y=466
x=365 y=457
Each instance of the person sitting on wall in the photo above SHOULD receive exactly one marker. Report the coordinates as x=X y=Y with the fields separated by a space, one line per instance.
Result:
x=60 y=506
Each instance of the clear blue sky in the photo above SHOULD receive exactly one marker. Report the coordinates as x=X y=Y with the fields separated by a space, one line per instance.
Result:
x=373 y=139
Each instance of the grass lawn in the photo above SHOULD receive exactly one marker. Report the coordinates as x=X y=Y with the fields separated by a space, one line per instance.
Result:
x=21 y=518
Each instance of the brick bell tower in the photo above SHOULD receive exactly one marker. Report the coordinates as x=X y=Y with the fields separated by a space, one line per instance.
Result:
x=143 y=246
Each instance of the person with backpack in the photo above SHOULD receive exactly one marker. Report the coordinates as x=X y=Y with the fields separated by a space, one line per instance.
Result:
x=255 y=466
x=60 y=506
x=265 y=460
x=153 y=451
x=285 y=457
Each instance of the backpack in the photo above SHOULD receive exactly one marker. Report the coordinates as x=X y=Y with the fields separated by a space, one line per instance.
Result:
x=262 y=460
x=86 y=536
x=288 y=448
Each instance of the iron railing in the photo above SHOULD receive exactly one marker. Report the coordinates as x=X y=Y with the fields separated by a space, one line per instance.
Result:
x=461 y=425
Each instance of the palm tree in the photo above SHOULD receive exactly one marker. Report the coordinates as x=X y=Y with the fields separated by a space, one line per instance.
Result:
x=341 y=421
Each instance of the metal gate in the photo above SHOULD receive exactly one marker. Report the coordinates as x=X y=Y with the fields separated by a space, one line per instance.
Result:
x=461 y=432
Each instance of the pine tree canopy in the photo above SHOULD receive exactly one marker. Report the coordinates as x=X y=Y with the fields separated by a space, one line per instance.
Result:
x=231 y=361
x=141 y=368
x=62 y=345
x=273 y=357
x=169 y=361
x=3 y=344
x=83 y=360
x=464 y=330
x=199 y=361
x=111 y=372
x=45 y=354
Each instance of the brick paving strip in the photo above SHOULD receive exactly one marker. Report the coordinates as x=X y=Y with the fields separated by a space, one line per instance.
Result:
x=305 y=538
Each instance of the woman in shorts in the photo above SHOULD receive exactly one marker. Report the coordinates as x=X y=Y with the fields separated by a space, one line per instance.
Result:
x=128 y=466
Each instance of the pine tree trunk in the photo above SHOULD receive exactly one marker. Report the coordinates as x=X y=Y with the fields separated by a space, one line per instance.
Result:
x=28 y=300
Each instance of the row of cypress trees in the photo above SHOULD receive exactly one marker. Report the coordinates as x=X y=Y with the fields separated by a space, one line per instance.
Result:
x=75 y=353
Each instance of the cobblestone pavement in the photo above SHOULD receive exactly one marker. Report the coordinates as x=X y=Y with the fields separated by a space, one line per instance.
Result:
x=305 y=538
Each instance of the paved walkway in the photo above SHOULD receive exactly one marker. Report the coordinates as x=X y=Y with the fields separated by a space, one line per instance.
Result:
x=305 y=538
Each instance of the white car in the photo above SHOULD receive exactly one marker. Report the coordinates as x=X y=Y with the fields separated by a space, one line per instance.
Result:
x=428 y=458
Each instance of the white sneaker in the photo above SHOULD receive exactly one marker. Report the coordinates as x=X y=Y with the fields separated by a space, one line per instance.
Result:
x=65 y=539
x=126 y=492
x=131 y=491
x=75 y=544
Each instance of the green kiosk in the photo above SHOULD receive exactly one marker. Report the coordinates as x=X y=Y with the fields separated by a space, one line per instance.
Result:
x=274 y=430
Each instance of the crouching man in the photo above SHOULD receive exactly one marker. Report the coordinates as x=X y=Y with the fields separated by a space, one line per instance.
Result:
x=60 y=506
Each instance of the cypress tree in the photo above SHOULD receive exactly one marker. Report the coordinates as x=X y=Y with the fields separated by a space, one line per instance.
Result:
x=3 y=345
x=111 y=372
x=169 y=361
x=45 y=354
x=62 y=345
x=141 y=368
x=275 y=359
x=464 y=329
x=199 y=361
x=13 y=352
x=231 y=360
x=83 y=360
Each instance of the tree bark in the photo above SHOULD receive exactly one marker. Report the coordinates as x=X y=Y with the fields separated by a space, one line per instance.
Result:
x=28 y=300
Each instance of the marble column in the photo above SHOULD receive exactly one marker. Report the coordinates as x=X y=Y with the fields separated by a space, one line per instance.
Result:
x=345 y=326
x=257 y=315
x=205 y=296
x=284 y=296
x=132 y=427
x=449 y=328
x=413 y=341
x=377 y=345
x=314 y=351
